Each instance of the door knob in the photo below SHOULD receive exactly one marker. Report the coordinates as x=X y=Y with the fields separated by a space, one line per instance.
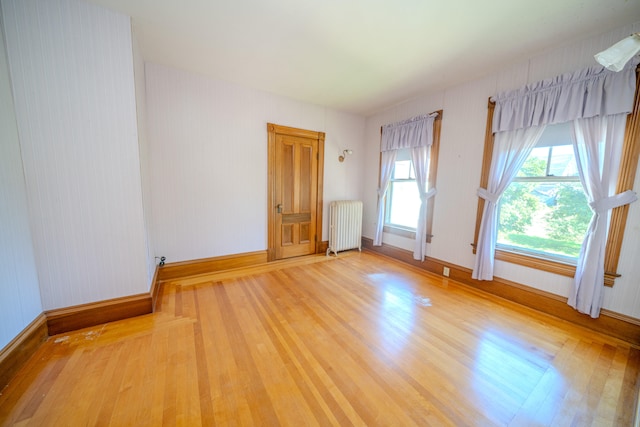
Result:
x=279 y=207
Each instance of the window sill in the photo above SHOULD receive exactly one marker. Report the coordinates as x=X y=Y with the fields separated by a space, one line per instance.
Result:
x=547 y=265
x=403 y=232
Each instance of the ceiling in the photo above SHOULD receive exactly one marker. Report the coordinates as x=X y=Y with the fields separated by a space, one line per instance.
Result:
x=359 y=56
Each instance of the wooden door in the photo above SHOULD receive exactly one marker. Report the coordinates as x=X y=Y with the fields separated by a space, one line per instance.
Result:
x=295 y=183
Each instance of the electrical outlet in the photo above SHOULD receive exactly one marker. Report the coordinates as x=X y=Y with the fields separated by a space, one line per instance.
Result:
x=445 y=271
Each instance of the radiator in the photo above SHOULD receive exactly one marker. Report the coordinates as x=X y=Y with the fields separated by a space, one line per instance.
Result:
x=345 y=226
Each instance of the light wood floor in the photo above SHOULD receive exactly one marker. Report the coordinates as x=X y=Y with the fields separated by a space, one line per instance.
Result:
x=354 y=340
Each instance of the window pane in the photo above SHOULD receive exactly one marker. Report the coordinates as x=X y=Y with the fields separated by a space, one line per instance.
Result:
x=536 y=163
x=402 y=169
x=404 y=204
x=563 y=161
x=546 y=215
x=550 y=217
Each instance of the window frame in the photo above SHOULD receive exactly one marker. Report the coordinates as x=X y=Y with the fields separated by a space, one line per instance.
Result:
x=540 y=179
x=389 y=197
x=431 y=183
x=626 y=178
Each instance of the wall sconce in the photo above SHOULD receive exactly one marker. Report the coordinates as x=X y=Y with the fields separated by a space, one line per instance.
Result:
x=344 y=155
x=620 y=53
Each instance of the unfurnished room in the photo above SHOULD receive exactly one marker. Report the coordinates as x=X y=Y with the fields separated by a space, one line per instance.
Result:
x=296 y=212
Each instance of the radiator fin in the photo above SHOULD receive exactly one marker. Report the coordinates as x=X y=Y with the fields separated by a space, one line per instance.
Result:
x=345 y=226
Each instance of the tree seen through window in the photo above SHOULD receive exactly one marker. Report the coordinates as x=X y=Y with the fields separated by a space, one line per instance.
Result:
x=544 y=210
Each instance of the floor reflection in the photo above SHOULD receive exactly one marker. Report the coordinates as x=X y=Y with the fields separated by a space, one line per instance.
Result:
x=507 y=373
x=398 y=310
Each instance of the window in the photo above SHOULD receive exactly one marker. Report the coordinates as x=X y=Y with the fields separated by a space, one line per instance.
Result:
x=544 y=212
x=402 y=201
x=560 y=263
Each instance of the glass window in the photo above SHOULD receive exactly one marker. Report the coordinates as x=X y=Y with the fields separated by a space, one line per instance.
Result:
x=566 y=189
x=403 y=199
x=544 y=210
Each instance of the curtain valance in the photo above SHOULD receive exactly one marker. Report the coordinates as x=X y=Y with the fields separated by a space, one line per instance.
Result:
x=593 y=91
x=414 y=132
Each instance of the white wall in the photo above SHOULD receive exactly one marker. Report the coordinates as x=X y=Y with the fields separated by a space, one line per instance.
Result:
x=208 y=157
x=19 y=293
x=72 y=75
x=143 y=147
x=459 y=165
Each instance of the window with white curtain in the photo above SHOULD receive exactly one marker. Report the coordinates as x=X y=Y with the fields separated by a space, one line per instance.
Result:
x=529 y=252
x=544 y=211
x=403 y=199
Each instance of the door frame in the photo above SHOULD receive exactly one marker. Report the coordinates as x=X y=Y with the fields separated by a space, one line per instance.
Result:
x=272 y=131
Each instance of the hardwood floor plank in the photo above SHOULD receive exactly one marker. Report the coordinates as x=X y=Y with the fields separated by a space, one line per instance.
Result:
x=321 y=403
x=118 y=354
x=228 y=406
x=204 y=387
x=630 y=387
x=248 y=377
x=157 y=378
x=46 y=379
x=540 y=408
x=606 y=406
x=298 y=277
x=354 y=340
x=347 y=367
x=444 y=366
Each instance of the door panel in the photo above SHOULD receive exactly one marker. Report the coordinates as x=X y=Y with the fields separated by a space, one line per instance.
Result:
x=306 y=177
x=296 y=189
x=287 y=175
x=295 y=180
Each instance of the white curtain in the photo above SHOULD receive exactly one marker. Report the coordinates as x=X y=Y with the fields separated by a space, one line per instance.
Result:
x=591 y=92
x=420 y=160
x=387 y=161
x=597 y=145
x=510 y=150
x=411 y=133
x=414 y=132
